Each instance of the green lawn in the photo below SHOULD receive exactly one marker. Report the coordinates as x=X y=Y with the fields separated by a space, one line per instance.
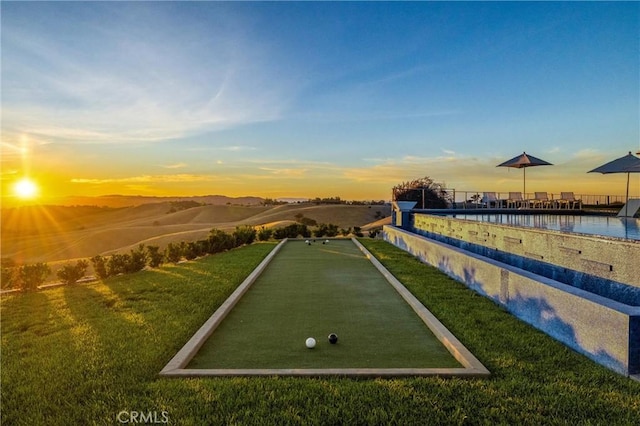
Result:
x=311 y=291
x=82 y=354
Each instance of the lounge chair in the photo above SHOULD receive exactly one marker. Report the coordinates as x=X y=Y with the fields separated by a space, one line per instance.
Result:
x=515 y=200
x=542 y=200
x=569 y=200
x=489 y=198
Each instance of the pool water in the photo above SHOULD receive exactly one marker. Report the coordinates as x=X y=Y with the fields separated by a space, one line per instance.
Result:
x=609 y=226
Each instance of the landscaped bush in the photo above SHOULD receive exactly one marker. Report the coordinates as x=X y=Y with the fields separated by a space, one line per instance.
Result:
x=70 y=273
x=292 y=231
x=31 y=276
x=173 y=253
x=99 y=266
x=326 y=229
x=154 y=256
x=8 y=274
x=264 y=234
x=220 y=241
x=117 y=264
x=137 y=260
x=191 y=250
x=244 y=235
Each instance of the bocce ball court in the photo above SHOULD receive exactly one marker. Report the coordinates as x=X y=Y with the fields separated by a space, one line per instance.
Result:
x=312 y=288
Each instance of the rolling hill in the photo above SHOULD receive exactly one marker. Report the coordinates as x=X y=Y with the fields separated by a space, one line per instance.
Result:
x=54 y=233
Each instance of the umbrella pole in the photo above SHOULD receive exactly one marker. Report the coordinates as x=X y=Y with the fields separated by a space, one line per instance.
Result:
x=524 y=180
x=626 y=201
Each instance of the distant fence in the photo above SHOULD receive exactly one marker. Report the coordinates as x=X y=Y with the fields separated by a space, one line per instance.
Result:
x=587 y=199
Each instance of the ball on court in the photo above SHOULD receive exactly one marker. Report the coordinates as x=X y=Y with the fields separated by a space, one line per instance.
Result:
x=311 y=343
x=333 y=338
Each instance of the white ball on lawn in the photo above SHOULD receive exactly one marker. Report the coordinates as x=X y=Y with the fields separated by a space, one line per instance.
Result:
x=311 y=343
x=327 y=241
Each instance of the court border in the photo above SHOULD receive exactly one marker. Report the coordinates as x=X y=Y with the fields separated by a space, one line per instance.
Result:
x=471 y=366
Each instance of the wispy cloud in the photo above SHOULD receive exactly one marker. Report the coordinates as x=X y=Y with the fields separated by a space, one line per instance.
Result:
x=174 y=166
x=147 y=86
x=286 y=172
x=177 y=178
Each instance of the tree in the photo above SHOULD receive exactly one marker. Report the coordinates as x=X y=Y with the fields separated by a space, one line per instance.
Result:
x=70 y=274
x=31 y=276
x=424 y=191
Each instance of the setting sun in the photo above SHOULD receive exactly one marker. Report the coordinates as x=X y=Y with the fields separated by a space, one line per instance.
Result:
x=26 y=189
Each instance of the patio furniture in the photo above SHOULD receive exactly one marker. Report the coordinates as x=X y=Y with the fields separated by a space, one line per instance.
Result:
x=568 y=200
x=515 y=200
x=542 y=200
x=489 y=198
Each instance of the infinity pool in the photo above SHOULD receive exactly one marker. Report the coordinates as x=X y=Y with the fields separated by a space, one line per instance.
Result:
x=610 y=226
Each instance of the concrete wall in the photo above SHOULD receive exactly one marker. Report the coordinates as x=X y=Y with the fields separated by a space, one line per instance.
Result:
x=564 y=312
x=608 y=258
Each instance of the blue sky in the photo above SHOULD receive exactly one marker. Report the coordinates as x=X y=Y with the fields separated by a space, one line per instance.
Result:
x=316 y=99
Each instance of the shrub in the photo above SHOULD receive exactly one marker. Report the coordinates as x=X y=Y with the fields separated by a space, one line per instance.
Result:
x=70 y=274
x=100 y=266
x=357 y=231
x=173 y=253
x=31 y=276
x=328 y=229
x=244 y=235
x=117 y=264
x=292 y=231
x=136 y=261
x=195 y=249
x=265 y=234
x=8 y=273
x=220 y=241
x=345 y=232
x=154 y=257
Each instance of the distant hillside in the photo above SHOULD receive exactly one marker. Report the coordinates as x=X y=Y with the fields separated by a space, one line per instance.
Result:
x=46 y=234
x=136 y=200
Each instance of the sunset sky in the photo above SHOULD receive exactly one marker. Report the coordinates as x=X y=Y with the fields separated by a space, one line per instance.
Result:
x=315 y=99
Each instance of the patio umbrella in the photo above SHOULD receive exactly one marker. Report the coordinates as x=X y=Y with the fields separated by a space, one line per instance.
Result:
x=523 y=161
x=627 y=164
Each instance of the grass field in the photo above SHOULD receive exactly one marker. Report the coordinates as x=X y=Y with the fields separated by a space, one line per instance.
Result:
x=312 y=291
x=83 y=354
